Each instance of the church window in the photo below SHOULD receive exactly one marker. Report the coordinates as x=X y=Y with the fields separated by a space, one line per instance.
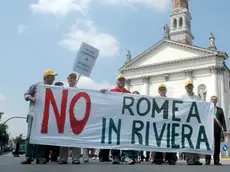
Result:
x=175 y=23
x=180 y=21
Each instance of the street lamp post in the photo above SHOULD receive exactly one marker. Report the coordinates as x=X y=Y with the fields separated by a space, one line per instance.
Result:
x=14 y=117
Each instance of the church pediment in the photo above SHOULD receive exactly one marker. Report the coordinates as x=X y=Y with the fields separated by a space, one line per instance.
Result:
x=166 y=51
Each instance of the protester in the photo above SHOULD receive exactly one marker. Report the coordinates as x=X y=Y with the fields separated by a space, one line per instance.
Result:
x=18 y=143
x=30 y=95
x=220 y=132
x=135 y=154
x=92 y=153
x=53 y=151
x=76 y=152
x=170 y=157
x=141 y=153
x=116 y=153
x=104 y=155
x=144 y=158
x=132 y=154
x=135 y=92
x=96 y=154
x=59 y=84
x=128 y=156
x=192 y=158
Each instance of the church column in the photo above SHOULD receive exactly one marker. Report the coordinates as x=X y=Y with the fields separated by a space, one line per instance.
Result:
x=127 y=84
x=184 y=21
x=146 y=85
x=221 y=71
x=189 y=75
x=172 y=24
x=223 y=104
x=214 y=71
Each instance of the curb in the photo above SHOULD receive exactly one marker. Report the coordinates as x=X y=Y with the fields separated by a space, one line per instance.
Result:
x=225 y=159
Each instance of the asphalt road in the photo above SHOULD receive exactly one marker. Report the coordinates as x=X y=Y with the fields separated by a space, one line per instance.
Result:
x=8 y=163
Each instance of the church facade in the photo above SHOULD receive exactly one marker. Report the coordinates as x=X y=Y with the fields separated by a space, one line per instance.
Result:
x=174 y=60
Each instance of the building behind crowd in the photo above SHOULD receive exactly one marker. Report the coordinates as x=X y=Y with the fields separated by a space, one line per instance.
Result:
x=174 y=60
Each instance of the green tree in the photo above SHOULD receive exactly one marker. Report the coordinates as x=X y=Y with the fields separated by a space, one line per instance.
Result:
x=4 y=137
x=3 y=128
x=3 y=132
x=1 y=113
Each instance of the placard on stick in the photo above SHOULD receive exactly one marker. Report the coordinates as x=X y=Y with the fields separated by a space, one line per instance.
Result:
x=85 y=59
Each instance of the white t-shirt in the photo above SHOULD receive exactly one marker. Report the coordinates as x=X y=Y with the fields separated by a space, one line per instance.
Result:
x=186 y=96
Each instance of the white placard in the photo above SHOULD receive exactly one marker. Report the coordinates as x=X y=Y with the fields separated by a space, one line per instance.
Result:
x=85 y=59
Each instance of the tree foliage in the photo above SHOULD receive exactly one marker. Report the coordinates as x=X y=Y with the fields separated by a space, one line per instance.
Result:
x=3 y=128
x=1 y=113
x=4 y=136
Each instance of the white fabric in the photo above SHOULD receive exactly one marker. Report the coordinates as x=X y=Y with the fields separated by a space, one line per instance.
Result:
x=109 y=107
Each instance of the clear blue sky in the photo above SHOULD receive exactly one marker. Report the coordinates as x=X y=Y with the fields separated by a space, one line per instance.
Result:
x=35 y=37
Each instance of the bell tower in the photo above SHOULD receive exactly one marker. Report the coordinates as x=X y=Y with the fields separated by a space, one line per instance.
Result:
x=180 y=28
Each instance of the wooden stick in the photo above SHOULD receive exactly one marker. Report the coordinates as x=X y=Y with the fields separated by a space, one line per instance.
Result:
x=77 y=80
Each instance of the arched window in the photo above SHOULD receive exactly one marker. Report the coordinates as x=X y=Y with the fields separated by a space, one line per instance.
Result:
x=202 y=91
x=180 y=22
x=174 y=23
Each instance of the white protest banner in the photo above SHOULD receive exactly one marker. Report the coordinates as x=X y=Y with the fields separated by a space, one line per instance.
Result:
x=90 y=119
x=85 y=59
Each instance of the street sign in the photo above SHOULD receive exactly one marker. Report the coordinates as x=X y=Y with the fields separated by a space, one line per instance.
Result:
x=85 y=60
x=225 y=147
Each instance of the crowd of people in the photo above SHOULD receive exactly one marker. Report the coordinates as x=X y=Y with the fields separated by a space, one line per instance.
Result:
x=43 y=153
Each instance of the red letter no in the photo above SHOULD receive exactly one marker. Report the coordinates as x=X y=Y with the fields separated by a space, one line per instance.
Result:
x=78 y=125
x=60 y=117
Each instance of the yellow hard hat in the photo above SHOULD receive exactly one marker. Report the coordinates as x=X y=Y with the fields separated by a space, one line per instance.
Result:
x=161 y=86
x=120 y=77
x=49 y=72
x=188 y=83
